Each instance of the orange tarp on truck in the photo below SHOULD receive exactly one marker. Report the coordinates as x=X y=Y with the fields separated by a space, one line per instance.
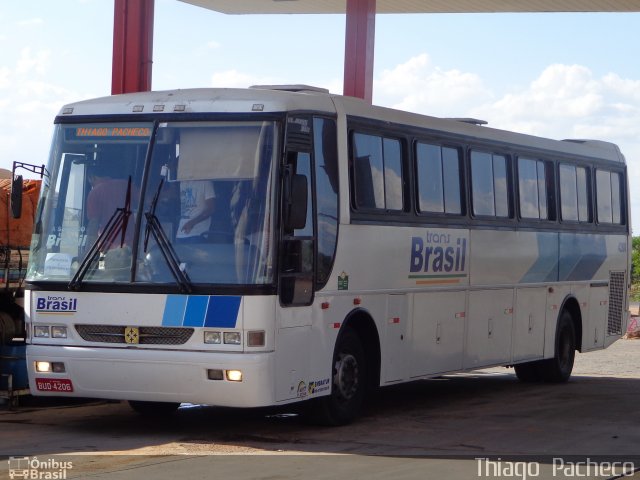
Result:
x=17 y=232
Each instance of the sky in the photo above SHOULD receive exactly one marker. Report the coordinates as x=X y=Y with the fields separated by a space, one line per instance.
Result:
x=553 y=75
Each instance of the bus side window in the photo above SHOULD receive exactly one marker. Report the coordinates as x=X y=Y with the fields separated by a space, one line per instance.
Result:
x=574 y=194
x=532 y=189
x=303 y=167
x=489 y=185
x=377 y=165
x=608 y=197
x=326 y=176
x=438 y=176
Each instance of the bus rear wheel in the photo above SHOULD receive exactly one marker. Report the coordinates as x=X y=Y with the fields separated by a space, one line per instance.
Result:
x=558 y=369
x=348 y=386
x=528 y=372
x=153 y=409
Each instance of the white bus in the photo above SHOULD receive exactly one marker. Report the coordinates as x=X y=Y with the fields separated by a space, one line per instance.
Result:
x=349 y=247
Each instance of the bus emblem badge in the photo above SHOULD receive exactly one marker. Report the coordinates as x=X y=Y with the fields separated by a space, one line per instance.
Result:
x=131 y=335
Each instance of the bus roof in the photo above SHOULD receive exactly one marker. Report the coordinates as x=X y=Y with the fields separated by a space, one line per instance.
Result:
x=282 y=98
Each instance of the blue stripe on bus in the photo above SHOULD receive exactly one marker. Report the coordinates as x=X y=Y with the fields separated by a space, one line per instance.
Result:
x=545 y=268
x=174 y=310
x=581 y=256
x=195 y=311
x=222 y=312
x=567 y=257
x=201 y=311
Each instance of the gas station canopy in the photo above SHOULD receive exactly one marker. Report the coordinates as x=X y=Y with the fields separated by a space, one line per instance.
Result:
x=243 y=7
x=133 y=28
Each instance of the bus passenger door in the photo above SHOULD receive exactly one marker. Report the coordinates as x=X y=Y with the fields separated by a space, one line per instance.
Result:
x=296 y=267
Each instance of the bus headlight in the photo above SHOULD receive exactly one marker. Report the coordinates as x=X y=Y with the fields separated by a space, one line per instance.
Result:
x=41 y=331
x=58 y=332
x=232 y=338
x=212 y=337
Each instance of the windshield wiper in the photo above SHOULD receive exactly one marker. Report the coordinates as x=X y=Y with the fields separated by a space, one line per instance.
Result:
x=170 y=256
x=117 y=224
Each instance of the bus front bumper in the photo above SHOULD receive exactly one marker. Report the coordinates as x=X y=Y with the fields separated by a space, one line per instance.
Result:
x=154 y=375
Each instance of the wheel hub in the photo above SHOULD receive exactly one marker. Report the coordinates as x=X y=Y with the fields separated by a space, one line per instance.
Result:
x=346 y=376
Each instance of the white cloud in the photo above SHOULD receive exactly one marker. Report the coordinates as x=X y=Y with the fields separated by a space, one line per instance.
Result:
x=561 y=94
x=418 y=86
x=29 y=102
x=569 y=102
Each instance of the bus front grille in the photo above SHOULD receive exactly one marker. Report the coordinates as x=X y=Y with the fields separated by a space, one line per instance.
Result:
x=146 y=335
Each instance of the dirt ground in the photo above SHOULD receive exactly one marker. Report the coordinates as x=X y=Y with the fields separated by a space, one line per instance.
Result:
x=450 y=421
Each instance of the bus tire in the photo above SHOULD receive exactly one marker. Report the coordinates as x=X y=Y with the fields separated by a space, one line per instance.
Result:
x=528 y=372
x=558 y=369
x=153 y=409
x=348 y=385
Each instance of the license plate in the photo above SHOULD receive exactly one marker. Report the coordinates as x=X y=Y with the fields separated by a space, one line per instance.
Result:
x=61 y=385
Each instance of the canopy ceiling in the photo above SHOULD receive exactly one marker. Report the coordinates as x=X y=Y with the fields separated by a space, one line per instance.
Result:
x=239 y=7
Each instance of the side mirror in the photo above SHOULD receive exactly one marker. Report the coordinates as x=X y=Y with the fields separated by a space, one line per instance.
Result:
x=296 y=202
x=16 y=196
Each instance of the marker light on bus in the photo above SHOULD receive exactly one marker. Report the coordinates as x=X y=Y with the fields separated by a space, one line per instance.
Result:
x=255 y=339
x=212 y=337
x=41 y=331
x=58 y=367
x=58 y=332
x=232 y=338
x=234 y=375
x=215 y=374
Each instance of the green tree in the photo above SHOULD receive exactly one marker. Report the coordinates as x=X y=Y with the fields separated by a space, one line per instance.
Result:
x=635 y=260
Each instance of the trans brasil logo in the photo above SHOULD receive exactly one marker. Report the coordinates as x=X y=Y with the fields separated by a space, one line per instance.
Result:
x=56 y=304
x=438 y=258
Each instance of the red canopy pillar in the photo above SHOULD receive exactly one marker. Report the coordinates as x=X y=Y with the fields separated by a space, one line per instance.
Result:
x=132 y=46
x=359 y=46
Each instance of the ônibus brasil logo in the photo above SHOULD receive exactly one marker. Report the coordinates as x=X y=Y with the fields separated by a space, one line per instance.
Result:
x=35 y=469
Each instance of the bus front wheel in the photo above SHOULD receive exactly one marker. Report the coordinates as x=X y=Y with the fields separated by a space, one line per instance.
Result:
x=348 y=383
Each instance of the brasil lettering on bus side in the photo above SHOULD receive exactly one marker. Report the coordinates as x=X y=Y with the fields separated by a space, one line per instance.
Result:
x=438 y=258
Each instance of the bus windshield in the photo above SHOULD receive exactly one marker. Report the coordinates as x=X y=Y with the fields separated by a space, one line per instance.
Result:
x=175 y=202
